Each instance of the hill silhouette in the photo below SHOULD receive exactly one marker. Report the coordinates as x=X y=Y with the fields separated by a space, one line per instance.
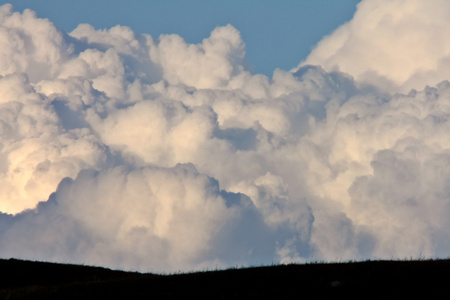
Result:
x=413 y=279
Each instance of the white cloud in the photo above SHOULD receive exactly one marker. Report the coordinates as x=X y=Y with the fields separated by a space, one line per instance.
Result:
x=397 y=45
x=163 y=219
x=180 y=158
x=30 y=45
x=36 y=153
x=210 y=64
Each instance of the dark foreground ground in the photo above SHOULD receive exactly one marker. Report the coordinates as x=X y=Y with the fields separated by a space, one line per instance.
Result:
x=424 y=279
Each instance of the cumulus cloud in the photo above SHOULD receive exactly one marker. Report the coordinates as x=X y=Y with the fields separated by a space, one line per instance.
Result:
x=36 y=152
x=398 y=45
x=149 y=153
x=148 y=218
x=30 y=45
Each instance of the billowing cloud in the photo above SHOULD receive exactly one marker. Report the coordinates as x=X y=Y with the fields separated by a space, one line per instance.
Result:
x=36 y=151
x=399 y=45
x=135 y=152
x=148 y=218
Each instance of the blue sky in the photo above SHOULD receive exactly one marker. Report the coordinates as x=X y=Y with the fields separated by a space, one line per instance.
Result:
x=278 y=34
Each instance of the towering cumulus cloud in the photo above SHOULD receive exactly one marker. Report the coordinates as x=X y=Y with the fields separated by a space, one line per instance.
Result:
x=399 y=45
x=152 y=154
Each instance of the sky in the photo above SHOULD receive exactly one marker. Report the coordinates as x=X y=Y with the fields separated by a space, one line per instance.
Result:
x=231 y=141
x=267 y=27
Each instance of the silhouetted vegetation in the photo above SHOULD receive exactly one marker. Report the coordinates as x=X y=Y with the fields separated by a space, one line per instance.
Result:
x=423 y=279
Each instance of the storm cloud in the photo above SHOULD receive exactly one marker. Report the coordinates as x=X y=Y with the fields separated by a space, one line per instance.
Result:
x=153 y=154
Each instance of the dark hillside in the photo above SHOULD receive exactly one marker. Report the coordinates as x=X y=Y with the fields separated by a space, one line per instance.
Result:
x=426 y=279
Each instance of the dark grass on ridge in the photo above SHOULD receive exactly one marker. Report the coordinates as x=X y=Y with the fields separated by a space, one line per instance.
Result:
x=408 y=279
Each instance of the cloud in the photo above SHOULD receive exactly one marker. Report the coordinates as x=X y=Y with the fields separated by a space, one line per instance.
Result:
x=36 y=153
x=397 y=45
x=163 y=219
x=210 y=64
x=153 y=154
x=380 y=167
x=29 y=44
